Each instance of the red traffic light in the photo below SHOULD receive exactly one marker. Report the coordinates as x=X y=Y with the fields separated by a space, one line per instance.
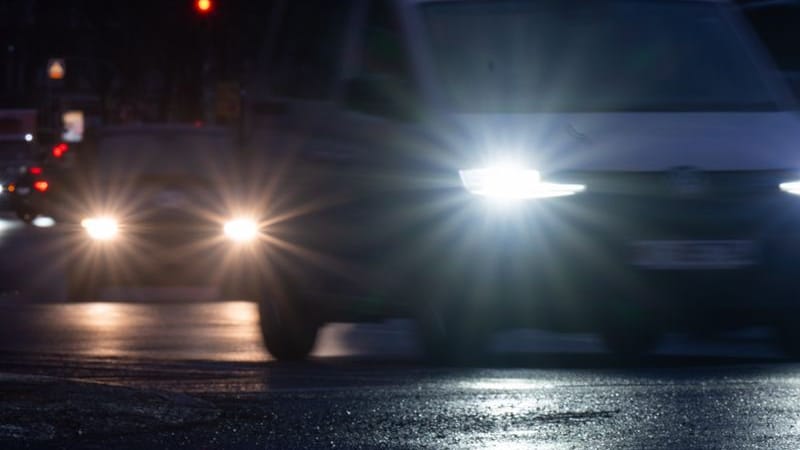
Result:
x=203 y=6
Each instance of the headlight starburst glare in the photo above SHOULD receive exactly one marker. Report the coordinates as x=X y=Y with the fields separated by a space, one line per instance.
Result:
x=241 y=230
x=508 y=182
x=101 y=228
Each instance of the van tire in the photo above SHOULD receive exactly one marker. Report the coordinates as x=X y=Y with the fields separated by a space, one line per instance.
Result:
x=287 y=335
x=788 y=339
x=450 y=338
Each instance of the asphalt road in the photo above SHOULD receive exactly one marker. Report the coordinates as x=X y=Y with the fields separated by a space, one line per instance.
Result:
x=200 y=376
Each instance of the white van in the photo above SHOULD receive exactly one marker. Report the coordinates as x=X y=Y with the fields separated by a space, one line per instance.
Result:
x=620 y=166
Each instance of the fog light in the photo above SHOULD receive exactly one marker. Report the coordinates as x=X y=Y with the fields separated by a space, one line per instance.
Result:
x=241 y=230
x=100 y=228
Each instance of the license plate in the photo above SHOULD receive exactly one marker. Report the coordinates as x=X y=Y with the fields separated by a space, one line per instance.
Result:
x=23 y=191
x=695 y=255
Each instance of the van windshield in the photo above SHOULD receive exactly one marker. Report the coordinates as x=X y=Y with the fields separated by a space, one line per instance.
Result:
x=577 y=56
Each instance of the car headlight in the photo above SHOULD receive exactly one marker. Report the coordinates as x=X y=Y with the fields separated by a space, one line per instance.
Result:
x=509 y=182
x=792 y=187
x=100 y=228
x=241 y=229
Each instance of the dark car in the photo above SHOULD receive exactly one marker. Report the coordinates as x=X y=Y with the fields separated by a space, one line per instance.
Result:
x=18 y=144
x=29 y=191
x=17 y=156
x=28 y=194
x=155 y=204
x=619 y=167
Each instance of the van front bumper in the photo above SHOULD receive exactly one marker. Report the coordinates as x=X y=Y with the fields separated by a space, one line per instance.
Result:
x=572 y=262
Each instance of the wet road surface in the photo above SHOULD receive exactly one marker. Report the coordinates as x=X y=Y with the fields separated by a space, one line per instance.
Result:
x=366 y=387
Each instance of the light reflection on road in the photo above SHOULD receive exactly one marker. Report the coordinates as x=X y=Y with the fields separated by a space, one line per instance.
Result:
x=212 y=331
x=149 y=323
x=203 y=331
x=103 y=317
x=506 y=384
x=44 y=222
x=229 y=331
x=226 y=331
x=8 y=226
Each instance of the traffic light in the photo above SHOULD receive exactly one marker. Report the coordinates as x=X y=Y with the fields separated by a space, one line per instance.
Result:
x=203 y=6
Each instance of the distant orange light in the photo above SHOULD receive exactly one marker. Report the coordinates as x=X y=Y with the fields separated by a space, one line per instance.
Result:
x=41 y=185
x=56 y=69
x=11 y=188
x=204 y=6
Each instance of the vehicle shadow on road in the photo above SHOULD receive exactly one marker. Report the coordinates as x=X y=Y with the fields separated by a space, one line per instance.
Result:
x=541 y=350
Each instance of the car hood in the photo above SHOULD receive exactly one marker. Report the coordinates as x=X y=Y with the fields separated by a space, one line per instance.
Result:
x=630 y=141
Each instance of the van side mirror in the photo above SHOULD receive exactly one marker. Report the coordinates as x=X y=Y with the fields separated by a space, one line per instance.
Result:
x=382 y=96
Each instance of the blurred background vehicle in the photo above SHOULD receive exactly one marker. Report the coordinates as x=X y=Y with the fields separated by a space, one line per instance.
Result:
x=29 y=194
x=18 y=147
x=29 y=191
x=154 y=204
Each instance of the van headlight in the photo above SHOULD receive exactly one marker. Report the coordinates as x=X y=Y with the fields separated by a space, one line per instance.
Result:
x=241 y=229
x=514 y=183
x=791 y=187
x=101 y=228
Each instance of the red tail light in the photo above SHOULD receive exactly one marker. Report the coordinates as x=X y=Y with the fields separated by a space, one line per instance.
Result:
x=35 y=170
x=60 y=149
x=41 y=185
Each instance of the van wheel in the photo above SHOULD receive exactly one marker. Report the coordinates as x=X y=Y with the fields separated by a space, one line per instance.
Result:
x=286 y=333
x=788 y=339
x=448 y=337
x=629 y=327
